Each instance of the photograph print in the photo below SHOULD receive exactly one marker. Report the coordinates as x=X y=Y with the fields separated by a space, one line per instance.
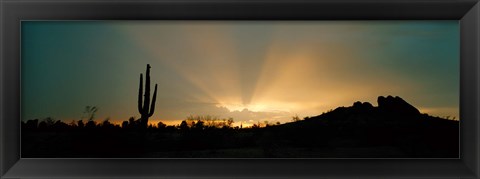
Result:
x=240 y=89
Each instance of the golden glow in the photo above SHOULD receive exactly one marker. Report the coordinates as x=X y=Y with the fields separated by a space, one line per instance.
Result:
x=305 y=75
x=256 y=107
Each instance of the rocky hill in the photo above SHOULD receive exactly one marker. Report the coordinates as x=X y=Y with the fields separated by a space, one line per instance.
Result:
x=394 y=124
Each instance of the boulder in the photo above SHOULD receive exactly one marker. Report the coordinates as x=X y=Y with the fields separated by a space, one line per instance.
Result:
x=364 y=105
x=396 y=105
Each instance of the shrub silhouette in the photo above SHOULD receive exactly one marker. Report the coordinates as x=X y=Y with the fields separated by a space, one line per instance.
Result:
x=49 y=121
x=106 y=124
x=125 y=124
x=31 y=124
x=161 y=125
x=91 y=124
x=183 y=126
x=81 y=124
x=199 y=125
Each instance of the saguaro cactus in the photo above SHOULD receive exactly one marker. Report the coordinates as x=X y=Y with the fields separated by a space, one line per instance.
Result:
x=144 y=109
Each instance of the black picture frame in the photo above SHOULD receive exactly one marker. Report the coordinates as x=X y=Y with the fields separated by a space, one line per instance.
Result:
x=13 y=11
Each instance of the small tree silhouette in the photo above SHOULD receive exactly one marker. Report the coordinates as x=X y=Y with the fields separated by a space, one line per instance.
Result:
x=230 y=122
x=90 y=112
x=144 y=110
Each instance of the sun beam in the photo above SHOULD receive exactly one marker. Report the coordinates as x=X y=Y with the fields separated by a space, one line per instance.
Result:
x=279 y=74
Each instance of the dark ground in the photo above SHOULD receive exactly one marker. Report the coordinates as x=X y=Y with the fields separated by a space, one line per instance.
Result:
x=394 y=129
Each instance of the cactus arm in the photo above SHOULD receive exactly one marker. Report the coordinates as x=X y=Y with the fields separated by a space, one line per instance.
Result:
x=154 y=98
x=140 y=91
x=146 y=101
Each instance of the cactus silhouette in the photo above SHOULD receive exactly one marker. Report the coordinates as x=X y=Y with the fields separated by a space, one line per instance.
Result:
x=144 y=109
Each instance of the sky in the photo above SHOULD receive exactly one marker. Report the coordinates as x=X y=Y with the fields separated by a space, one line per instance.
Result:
x=252 y=71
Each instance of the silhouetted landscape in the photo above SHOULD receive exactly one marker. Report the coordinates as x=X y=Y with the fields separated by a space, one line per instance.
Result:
x=228 y=89
x=210 y=89
x=393 y=129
